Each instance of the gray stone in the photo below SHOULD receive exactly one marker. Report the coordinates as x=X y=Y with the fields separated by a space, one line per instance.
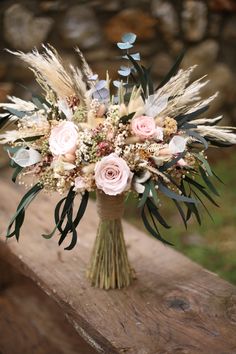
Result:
x=221 y=80
x=6 y=89
x=24 y=31
x=99 y=54
x=162 y=63
x=147 y=49
x=167 y=16
x=176 y=46
x=214 y=24
x=19 y=70
x=229 y=32
x=204 y=55
x=233 y=117
x=3 y=69
x=107 y=5
x=53 y=5
x=131 y=20
x=194 y=20
x=80 y=27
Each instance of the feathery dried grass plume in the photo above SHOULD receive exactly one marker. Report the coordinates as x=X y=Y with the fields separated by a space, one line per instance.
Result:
x=51 y=73
x=86 y=69
x=18 y=104
x=186 y=97
x=217 y=134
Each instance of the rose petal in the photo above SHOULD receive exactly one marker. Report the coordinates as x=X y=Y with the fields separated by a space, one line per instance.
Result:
x=177 y=144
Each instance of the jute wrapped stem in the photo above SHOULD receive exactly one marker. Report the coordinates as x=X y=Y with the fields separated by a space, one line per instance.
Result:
x=109 y=265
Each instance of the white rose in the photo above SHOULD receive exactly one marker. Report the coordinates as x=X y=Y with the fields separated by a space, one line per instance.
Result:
x=112 y=175
x=63 y=139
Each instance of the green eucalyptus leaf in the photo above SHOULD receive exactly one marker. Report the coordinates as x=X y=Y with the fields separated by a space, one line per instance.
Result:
x=205 y=163
x=17 y=113
x=154 y=192
x=17 y=171
x=197 y=137
x=82 y=208
x=129 y=37
x=135 y=56
x=181 y=119
x=4 y=119
x=181 y=212
x=154 y=210
x=207 y=181
x=179 y=197
x=124 y=46
x=201 y=189
x=145 y=195
x=18 y=217
x=126 y=119
x=204 y=206
x=152 y=230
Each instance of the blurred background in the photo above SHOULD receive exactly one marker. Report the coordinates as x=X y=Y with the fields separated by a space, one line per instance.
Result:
x=207 y=29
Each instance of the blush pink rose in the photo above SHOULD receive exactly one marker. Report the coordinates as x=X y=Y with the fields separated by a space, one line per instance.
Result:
x=63 y=138
x=79 y=183
x=144 y=127
x=112 y=175
x=182 y=163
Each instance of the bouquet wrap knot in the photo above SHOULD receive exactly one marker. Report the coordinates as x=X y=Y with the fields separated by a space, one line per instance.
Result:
x=109 y=266
x=110 y=207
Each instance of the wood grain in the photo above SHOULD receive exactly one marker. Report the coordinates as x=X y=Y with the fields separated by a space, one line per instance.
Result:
x=31 y=322
x=174 y=306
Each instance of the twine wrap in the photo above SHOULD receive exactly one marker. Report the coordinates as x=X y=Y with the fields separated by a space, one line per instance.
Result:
x=109 y=265
x=110 y=207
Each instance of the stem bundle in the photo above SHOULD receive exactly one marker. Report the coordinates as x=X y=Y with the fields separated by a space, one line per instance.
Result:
x=109 y=265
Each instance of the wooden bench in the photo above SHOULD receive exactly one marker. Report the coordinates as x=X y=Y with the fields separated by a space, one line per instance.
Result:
x=174 y=306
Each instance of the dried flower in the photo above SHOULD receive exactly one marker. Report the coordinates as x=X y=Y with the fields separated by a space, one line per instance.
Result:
x=112 y=175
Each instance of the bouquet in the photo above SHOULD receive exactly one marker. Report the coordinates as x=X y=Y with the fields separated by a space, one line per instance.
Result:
x=112 y=137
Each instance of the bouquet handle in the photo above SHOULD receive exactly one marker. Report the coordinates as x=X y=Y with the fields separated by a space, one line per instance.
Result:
x=109 y=265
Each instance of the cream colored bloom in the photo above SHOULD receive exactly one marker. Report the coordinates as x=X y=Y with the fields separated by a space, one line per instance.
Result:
x=63 y=138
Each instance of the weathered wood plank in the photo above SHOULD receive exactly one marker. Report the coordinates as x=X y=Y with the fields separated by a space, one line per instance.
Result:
x=31 y=322
x=174 y=306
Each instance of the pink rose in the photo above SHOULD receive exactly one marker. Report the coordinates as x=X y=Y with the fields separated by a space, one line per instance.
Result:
x=63 y=138
x=112 y=175
x=182 y=163
x=144 y=127
x=79 y=183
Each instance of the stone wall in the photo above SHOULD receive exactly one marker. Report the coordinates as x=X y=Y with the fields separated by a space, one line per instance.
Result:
x=206 y=28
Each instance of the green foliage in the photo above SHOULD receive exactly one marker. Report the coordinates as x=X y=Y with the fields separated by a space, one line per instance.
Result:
x=63 y=215
x=18 y=218
x=185 y=118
